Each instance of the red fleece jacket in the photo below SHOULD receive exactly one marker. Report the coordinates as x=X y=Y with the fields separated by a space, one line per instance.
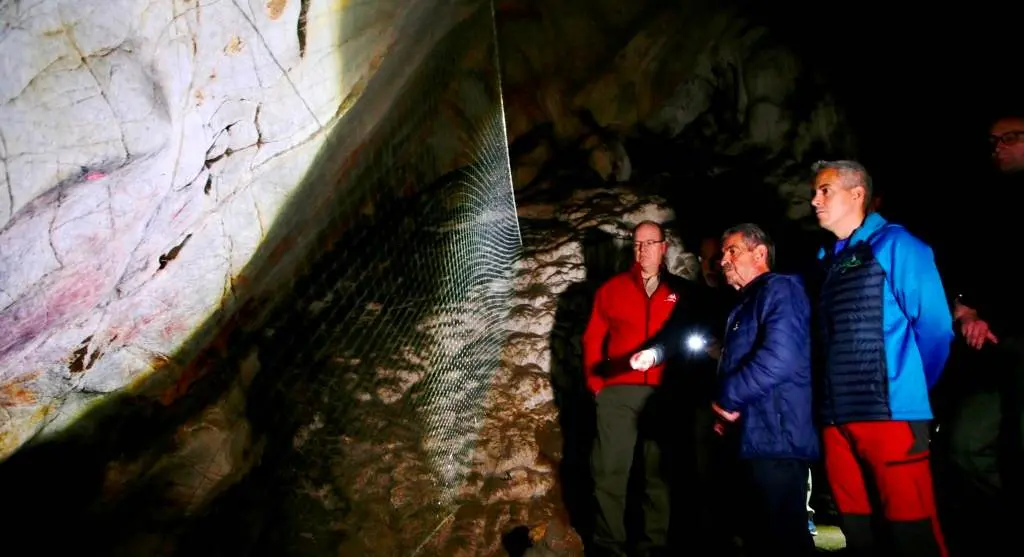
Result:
x=626 y=318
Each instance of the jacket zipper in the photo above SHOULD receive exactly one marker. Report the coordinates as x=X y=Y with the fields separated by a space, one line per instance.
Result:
x=647 y=321
x=778 y=411
x=828 y=324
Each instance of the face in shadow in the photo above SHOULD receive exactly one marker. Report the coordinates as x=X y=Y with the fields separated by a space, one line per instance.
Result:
x=711 y=261
x=1007 y=139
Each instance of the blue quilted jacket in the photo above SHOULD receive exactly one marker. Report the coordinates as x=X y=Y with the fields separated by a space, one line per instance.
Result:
x=765 y=369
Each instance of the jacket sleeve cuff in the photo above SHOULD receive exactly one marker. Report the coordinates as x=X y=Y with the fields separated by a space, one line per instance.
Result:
x=726 y=400
x=727 y=406
x=659 y=354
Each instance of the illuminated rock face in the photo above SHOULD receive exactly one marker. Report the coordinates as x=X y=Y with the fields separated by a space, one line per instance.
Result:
x=147 y=149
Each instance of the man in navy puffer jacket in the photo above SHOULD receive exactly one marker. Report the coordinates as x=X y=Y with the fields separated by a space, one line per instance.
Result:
x=885 y=329
x=765 y=390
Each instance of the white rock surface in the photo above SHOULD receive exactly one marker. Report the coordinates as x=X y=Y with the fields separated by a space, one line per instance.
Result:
x=146 y=148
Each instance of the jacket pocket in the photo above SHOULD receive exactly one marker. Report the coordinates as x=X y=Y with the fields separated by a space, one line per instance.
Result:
x=780 y=431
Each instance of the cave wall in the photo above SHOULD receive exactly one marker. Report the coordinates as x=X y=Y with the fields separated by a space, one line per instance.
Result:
x=340 y=240
x=213 y=206
x=152 y=155
x=701 y=95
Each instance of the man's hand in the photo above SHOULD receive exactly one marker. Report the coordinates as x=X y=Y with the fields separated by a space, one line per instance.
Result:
x=642 y=360
x=724 y=414
x=976 y=331
x=724 y=418
x=714 y=349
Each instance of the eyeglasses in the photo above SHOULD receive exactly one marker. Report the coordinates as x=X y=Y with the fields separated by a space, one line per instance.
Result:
x=1008 y=138
x=648 y=244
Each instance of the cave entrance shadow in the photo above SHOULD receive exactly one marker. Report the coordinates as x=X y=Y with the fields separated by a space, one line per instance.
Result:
x=603 y=257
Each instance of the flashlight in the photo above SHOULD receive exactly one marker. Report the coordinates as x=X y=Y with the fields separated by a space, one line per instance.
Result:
x=695 y=342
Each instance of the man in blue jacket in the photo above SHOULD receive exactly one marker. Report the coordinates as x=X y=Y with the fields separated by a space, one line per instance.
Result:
x=886 y=330
x=764 y=388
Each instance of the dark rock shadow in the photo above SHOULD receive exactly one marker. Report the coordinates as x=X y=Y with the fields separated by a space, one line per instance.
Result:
x=602 y=259
x=517 y=541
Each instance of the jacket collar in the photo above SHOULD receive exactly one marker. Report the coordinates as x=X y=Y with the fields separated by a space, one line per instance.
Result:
x=872 y=223
x=637 y=274
x=755 y=284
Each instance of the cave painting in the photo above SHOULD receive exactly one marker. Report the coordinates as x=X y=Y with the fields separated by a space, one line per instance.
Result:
x=146 y=150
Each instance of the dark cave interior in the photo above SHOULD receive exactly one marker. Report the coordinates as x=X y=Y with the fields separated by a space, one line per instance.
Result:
x=921 y=88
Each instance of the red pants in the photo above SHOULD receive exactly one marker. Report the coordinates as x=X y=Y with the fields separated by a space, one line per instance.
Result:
x=890 y=459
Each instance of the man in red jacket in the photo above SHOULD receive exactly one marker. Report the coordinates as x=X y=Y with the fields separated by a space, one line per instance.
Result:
x=628 y=311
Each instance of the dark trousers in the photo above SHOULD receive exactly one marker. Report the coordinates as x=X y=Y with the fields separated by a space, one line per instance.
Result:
x=627 y=415
x=979 y=449
x=710 y=492
x=890 y=461
x=968 y=480
x=776 y=511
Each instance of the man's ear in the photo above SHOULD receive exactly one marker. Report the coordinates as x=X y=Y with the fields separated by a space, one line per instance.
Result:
x=761 y=252
x=859 y=193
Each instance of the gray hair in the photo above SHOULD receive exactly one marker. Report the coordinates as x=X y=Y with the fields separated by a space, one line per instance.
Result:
x=853 y=173
x=753 y=236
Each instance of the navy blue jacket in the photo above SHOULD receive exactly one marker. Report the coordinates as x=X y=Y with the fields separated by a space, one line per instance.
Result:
x=765 y=369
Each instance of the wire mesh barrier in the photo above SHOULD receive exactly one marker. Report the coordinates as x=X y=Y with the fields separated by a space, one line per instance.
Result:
x=376 y=369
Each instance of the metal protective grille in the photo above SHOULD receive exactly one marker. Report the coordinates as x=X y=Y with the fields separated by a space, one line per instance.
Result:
x=376 y=370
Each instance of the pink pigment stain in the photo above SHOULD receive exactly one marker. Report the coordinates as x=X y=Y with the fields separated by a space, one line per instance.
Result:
x=94 y=175
x=174 y=330
x=66 y=299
